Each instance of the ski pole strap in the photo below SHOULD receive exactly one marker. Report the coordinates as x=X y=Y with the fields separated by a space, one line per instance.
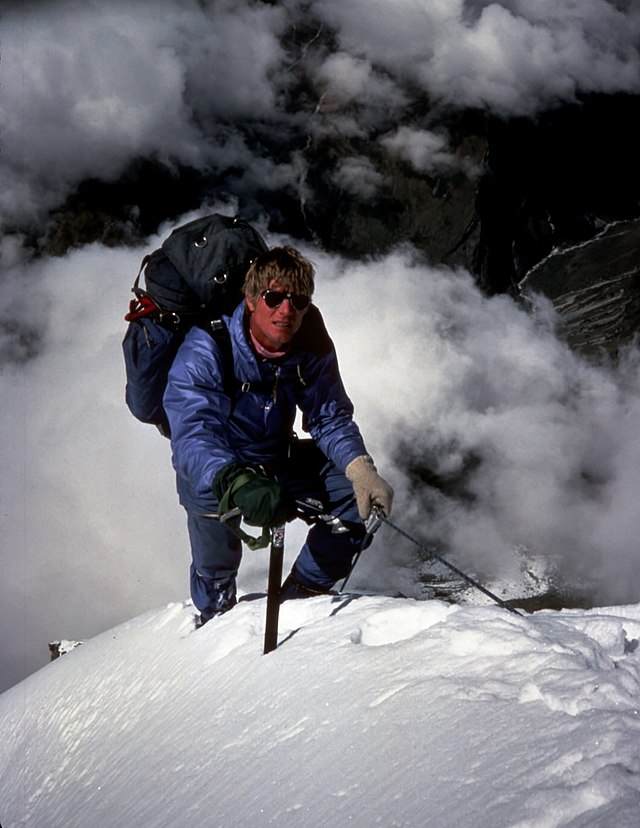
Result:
x=433 y=554
x=226 y=501
x=250 y=540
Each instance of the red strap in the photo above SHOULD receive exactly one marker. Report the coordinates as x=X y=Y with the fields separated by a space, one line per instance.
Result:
x=141 y=306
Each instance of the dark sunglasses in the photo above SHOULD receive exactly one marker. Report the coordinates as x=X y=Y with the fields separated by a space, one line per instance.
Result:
x=274 y=298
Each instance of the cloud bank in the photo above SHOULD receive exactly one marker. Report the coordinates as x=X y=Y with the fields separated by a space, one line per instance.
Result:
x=542 y=446
x=92 y=532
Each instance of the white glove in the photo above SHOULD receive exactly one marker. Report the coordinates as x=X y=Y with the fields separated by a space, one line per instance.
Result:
x=369 y=488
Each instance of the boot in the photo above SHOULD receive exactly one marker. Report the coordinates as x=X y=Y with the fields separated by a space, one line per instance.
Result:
x=292 y=589
x=223 y=598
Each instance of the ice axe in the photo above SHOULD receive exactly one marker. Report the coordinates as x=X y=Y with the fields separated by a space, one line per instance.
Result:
x=274 y=538
x=311 y=511
x=274 y=581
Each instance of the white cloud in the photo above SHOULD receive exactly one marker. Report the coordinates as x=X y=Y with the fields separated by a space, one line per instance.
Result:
x=358 y=176
x=512 y=57
x=426 y=151
x=89 y=86
x=456 y=376
x=346 y=78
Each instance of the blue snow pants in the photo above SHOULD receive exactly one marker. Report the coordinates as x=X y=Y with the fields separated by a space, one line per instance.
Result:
x=325 y=557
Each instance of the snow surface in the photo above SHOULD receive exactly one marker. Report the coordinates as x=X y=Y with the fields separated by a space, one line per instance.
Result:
x=372 y=711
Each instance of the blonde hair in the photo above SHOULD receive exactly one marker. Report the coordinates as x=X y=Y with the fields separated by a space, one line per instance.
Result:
x=285 y=265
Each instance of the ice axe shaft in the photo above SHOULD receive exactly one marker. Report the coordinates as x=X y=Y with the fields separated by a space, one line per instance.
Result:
x=276 y=558
x=312 y=512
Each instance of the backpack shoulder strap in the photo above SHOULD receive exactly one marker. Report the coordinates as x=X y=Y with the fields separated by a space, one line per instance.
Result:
x=222 y=337
x=231 y=384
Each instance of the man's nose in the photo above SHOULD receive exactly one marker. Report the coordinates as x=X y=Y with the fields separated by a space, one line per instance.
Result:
x=288 y=305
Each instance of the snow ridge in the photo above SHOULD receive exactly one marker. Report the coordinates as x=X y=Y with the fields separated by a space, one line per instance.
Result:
x=372 y=710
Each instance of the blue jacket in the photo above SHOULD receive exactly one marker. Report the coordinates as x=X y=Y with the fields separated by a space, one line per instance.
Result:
x=214 y=423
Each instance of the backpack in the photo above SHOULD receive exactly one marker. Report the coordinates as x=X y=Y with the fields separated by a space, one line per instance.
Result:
x=194 y=278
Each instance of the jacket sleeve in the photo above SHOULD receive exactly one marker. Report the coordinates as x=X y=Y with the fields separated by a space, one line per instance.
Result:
x=198 y=409
x=328 y=411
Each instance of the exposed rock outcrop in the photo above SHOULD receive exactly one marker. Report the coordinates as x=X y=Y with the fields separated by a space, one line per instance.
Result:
x=595 y=287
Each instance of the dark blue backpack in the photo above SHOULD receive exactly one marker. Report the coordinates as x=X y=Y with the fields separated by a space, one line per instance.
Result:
x=194 y=278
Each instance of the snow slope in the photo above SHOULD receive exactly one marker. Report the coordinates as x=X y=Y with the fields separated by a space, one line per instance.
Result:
x=372 y=711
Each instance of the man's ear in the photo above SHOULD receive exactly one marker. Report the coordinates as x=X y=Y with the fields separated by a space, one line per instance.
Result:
x=251 y=303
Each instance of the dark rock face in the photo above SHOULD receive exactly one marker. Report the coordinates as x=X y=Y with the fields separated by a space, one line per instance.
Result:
x=62 y=647
x=523 y=189
x=547 y=190
x=434 y=211
x=121 y=212
x=595 y=287
x=555 y=181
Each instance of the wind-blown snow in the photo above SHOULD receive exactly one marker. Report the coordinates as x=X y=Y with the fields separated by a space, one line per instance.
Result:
x=372 y=711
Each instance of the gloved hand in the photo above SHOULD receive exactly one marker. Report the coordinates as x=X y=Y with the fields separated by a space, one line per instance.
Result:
x=369 y=488
x=261 y=500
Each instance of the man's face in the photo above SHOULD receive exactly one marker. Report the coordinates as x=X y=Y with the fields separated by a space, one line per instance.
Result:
x=275 y=327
